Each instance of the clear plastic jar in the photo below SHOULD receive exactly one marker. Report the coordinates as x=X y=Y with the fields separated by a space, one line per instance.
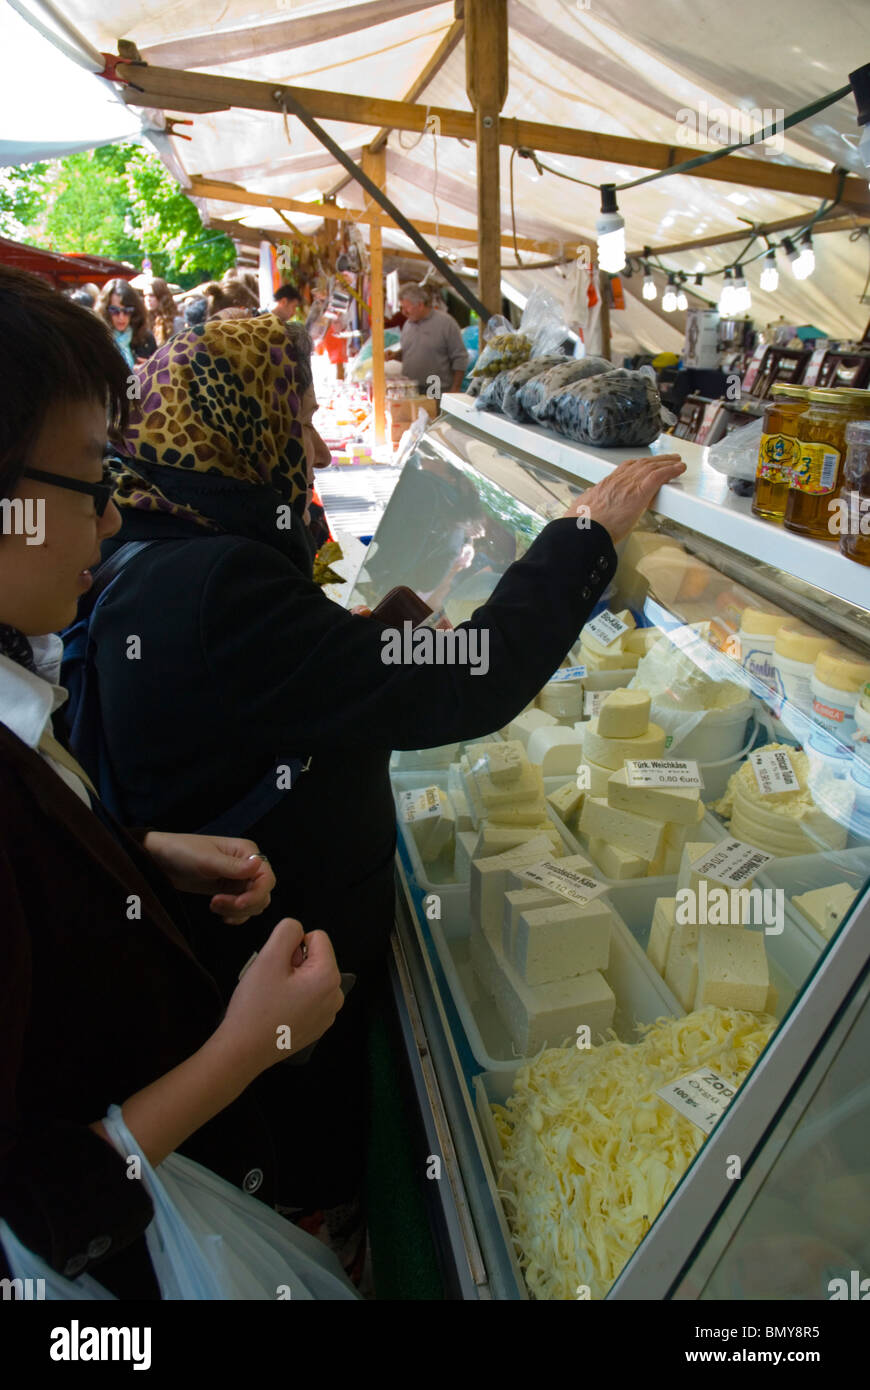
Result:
x=778 y=450
x=817 y=472
x=854 y=520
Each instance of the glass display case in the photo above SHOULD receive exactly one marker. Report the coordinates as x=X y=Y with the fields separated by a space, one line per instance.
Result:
x=631 y=955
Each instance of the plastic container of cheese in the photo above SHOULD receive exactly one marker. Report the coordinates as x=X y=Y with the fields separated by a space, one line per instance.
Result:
x=641 y=994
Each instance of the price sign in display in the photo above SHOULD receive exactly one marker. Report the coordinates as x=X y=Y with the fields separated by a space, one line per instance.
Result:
x=774 y=772
x=568 y=673
x=606 y=627
x=702 y=1096
x=419 y=804
x=663 y=772
x=592 y=700
x=732 y=862
x=568 y=883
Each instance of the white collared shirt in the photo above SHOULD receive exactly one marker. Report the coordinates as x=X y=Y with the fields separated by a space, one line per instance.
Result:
x=28 y=701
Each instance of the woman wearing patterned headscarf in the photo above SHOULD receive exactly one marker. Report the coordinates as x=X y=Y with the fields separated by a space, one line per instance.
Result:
x=242 y=664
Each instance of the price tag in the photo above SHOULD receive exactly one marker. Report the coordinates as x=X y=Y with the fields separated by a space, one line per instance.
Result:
x=568 y=883
x=774 y=772
x=592 y=700
x=732 y=862
x=606 y=628
x=663 y=772
x=702 y=1096
x=814 y=366
x=568 y=673
x=419 y=804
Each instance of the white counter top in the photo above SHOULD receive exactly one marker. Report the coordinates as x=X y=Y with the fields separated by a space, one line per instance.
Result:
x=700 y=500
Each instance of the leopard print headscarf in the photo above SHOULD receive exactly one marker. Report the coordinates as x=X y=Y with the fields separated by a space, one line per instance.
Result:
x=223 y=398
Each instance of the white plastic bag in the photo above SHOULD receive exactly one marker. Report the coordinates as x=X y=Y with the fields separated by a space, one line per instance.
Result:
x=737 y=454
x=208 y=1241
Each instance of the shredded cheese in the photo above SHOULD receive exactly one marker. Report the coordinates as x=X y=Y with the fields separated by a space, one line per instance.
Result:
x=591 y=1153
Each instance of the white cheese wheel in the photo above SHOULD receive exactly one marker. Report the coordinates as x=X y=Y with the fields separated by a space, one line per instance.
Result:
x=612 y=752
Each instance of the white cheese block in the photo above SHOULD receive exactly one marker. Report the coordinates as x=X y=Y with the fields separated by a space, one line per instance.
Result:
x=578 y=862
x=826 y=907
x=641 y=639
x=505 y=762
x=489 y=880
x=495 y=839
x=617 y=863
x=621 y=828
x=612 y=752
x=676 y=835
x=624 y=714
x=554 y=943
x=434 y=833
x=469 y=786
x=461 y=808
x=524 y=813
x=556 y=751
x=411 y=760
x=527 y=786
x=732 y=969
x=593 y=778
x=660 y=933
x=526 y=723
x=539 y=1016
x=677 y=805
x=693 y=850
x=594 y=644
x=672 y=860
x=517 y=900
x=566 y=802
x=615 y=660
x=681 y=973
x=466 y=844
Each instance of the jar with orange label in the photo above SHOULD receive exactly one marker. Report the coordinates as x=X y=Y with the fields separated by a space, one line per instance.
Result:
x=854 y=521
x=813 y=499
x=777 y=451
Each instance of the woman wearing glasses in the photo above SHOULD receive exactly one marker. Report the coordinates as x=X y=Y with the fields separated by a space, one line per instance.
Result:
x=101 y=999
x=123 y=310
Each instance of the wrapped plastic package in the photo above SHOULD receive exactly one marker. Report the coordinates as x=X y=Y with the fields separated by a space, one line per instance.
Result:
x=541 y=331
x=537 y=396
x=520 y=377
x=492 y=394
x=737 y=456
x=610 y=410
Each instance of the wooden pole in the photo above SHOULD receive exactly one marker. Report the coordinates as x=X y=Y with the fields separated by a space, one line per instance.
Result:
x=486 y=80
x=604 y=291
x=374 y=164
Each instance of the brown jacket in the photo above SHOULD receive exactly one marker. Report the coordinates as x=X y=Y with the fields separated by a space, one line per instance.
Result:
x=95 y=1003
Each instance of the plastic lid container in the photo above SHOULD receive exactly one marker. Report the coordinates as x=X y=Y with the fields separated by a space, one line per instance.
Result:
x=841 y=670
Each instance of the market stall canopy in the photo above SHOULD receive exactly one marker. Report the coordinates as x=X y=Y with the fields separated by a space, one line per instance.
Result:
x=64 y=272
x=644 y=72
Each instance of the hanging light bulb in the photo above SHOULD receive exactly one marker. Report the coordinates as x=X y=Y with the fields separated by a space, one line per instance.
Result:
x=726 y=298
x=741 y=302
x=806 y=259
x=649 y=284
x=770 y=274
x=669 y=298
x=682 y=300
x=610 y=229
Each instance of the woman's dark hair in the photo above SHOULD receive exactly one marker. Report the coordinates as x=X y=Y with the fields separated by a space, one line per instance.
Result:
x=51 y=350
x=165 y=311
x=131 y=299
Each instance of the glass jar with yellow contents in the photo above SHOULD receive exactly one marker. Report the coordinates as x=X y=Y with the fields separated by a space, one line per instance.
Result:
x=777 y=452
x=818 y=468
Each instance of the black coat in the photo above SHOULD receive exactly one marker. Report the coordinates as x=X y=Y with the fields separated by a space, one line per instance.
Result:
x=94 y=1006
x=245 y=662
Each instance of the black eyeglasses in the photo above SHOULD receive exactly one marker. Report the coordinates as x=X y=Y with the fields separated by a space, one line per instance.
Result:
x=101 y=492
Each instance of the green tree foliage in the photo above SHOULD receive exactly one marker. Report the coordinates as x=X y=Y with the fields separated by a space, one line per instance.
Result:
x=115 y=201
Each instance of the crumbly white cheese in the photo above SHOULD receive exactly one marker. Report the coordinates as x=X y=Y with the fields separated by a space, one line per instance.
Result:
x=555 y=943
x=784 y=823
x=732 y=968
x=621 y=828
x=617 y=863
x=624 y=714
x=826 y=908
x=613 y=752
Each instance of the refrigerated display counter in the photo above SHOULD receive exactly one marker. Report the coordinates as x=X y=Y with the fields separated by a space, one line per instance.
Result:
x=706 y=1134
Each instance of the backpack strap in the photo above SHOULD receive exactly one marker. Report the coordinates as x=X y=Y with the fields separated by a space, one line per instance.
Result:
x=259 y=800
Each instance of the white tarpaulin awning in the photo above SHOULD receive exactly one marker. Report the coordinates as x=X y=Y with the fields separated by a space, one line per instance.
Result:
x=626 y=69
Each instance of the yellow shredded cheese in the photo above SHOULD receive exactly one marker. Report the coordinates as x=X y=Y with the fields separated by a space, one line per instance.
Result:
x=591 y=1153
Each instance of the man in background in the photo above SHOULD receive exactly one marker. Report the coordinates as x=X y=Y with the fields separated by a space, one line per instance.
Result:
x=433 y=353
x=287 y=302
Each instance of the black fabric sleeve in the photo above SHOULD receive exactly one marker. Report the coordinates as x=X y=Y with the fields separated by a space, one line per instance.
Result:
x=63 y=1190
x=293 y=665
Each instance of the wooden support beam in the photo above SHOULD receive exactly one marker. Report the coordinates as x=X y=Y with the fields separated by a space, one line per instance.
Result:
x=605 y=292
x=825 y=224
x=166 y=87
x=233 y=193
x=374 y=163
x=486 y=81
